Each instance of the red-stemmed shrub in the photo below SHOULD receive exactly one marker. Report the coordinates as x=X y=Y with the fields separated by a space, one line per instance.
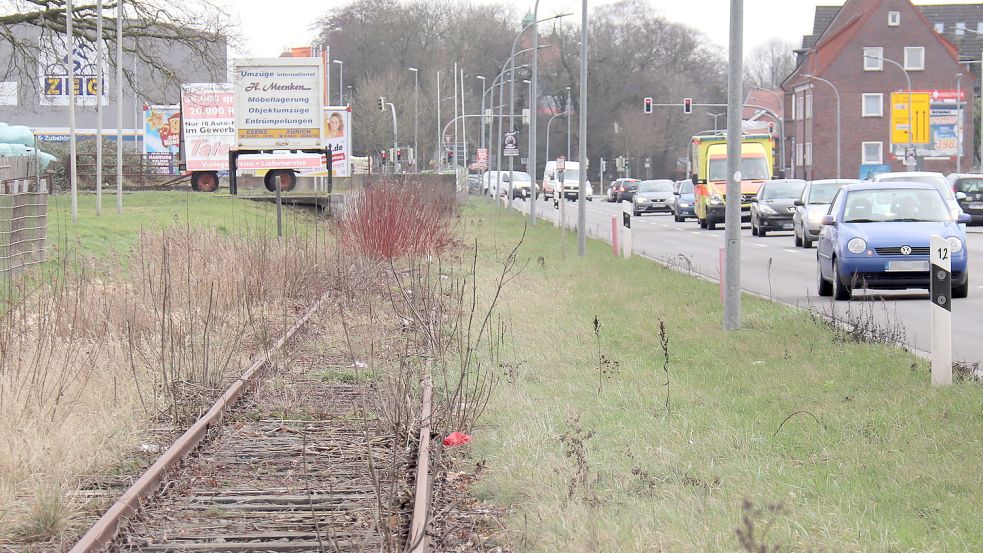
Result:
x=390 y=220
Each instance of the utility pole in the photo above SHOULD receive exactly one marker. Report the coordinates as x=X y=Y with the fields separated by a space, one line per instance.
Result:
x=582 y=156
x=533 y=109
x=569 y=121
x=439 y=153
x=73 y=153
x=99 y=93
x=416 y=116
x=119 y=107
x=732 y=217
x=464 y=127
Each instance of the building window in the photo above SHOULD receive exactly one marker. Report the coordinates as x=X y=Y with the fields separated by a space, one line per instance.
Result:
x=873 y=104
x=960 y=28
x=979 y=27
x=808 y=106
x=808 y=155
x=914 y=58
x=798 y=154
x=872 y=153
x=873 y=58
x=940 y=28
x=893 y=18
x=799 y=99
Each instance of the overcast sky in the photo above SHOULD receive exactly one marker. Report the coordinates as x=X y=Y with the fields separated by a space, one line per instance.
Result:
x=267 y=32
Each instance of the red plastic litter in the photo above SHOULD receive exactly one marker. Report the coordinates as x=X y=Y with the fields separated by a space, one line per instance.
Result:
x=456 y=438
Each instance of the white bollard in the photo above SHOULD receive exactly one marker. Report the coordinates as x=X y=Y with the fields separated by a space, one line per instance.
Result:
x=940 y=291
x=626 y=241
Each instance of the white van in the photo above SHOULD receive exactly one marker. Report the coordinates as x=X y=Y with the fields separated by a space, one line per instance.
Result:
x=571 y=183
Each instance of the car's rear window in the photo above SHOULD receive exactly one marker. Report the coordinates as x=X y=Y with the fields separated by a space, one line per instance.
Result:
x=777 y=190
x=969 y=186
x=686 y=187
x=655 y=186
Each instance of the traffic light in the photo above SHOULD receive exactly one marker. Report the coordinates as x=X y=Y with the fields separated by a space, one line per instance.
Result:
x=383 y=155
x=687 y=106
x=382 y=103
x=648 y=105
x=399 y=153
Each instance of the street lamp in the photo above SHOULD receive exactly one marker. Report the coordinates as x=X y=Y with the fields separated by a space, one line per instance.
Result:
x=837 y=92
x=341 y=80
x=908 y=80
x=716 y=115
x=550 y=122
x=416 y=113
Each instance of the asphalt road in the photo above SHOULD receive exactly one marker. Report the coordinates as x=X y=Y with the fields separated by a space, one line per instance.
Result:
x=774 y=267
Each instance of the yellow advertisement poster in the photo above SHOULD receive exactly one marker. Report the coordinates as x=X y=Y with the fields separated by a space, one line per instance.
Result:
x=920 y=112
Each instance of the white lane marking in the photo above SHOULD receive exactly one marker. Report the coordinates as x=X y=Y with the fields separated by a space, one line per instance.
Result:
x=696 y=232
x=760 y=245
x=678 y=228
x=791 y=251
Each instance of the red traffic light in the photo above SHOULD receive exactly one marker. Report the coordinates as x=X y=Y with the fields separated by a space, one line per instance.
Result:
x=648 y=105
x=687 y=105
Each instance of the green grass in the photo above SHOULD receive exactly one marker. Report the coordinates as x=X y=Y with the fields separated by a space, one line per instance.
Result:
x=893 y=464
x=113 y=234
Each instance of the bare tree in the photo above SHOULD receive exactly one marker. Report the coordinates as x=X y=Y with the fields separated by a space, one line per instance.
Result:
x=153 y=30
x=769 y=64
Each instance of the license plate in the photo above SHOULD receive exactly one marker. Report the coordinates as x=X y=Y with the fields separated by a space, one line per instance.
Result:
x=907 y=266
x=976 y=205
x=787 y=226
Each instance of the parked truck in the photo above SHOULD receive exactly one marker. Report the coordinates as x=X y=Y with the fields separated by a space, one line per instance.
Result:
x=708 y=162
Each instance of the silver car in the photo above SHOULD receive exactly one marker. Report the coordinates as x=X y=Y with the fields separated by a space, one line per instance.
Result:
x=810 y=208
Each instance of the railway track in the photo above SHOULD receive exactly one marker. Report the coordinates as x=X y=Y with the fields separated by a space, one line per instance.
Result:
x=299 y=462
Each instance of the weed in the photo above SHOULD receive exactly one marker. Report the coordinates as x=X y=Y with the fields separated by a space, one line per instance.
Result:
x=605 y=365
x=664 y=343
x=574 y=441
x=755 y=523
x=965 y=371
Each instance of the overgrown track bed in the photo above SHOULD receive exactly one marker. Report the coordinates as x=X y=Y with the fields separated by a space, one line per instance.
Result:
x=297 y=465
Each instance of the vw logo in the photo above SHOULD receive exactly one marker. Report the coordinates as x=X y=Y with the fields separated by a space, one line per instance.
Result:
x=905 y=250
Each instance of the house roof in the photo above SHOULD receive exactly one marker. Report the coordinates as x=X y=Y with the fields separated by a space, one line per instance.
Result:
x=970 y=44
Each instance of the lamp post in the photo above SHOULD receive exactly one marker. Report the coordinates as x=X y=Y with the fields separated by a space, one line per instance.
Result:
x=569 y=121
x=837 y=92
x=908 y=80
x=481 y=124
x=715 y=116
x=416 y=114
x=959 y=122
x=548 y=123
x=341 y=80
x=535 y=47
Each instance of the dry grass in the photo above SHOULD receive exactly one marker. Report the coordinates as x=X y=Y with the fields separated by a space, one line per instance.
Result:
x=87 y=364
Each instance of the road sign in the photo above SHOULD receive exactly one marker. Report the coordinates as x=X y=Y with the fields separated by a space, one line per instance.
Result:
x=511 y=148
x=561 y=163
x=920 y=113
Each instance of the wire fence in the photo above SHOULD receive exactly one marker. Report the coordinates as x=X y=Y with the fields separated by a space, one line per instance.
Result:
x=23 y=217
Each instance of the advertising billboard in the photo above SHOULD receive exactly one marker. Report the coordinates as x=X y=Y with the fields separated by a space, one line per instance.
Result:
x=53 y=71
x=338 y=140
x=209 y=125
x=278 y=103
x=162 y=138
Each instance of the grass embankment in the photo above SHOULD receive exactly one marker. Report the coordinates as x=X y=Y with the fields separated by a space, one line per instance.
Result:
x=872 y=457
x=113 y=234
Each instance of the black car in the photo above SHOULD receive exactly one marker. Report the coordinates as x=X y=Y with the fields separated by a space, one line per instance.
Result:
x=970 y=184
x=774 y=206
x=653 y=196
x=622 y=189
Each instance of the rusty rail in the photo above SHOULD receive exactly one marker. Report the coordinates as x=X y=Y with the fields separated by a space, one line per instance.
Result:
x=421 y=503
x=106 y=528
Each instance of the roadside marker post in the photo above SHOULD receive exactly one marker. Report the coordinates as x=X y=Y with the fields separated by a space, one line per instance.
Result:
x=614 y=236
x=940 y=292
x=626 y=241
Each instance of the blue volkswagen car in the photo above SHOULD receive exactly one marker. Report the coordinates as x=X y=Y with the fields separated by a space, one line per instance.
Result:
x=876 y=236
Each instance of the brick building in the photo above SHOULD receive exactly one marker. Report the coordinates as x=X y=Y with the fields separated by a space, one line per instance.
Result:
x=851 y=52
